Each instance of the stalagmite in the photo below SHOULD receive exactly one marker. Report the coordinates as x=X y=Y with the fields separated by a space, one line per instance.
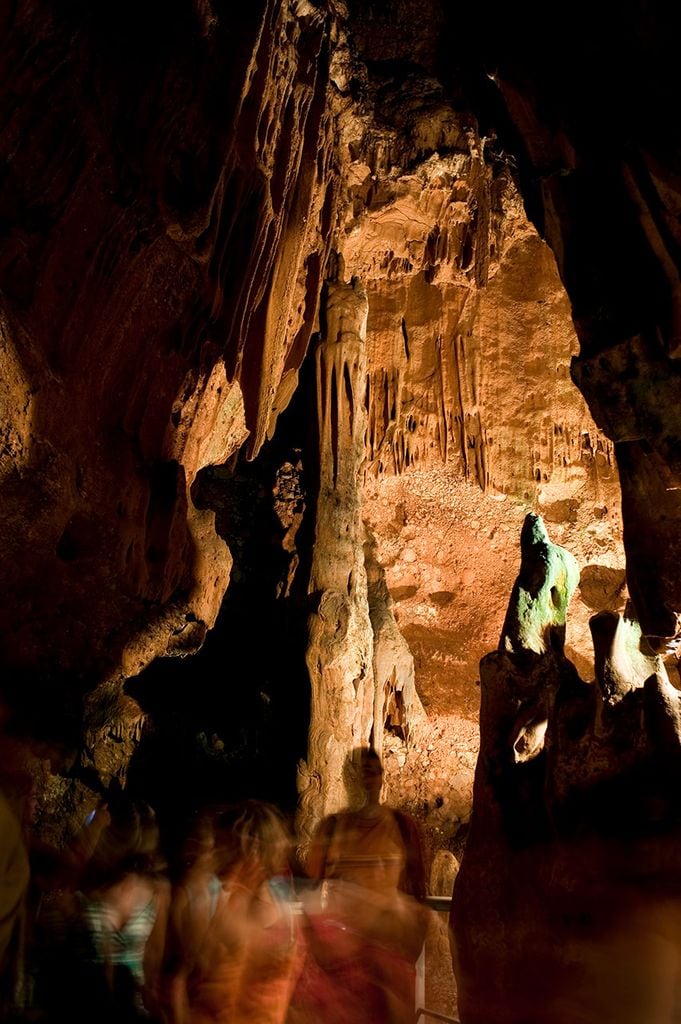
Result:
x=397 y=706
x=340 y=648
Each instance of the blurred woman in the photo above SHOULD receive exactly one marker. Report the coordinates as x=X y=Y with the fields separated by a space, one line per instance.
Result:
x=122 y=908
x=245 y=968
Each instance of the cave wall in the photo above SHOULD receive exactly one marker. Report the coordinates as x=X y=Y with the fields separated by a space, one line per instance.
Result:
x=170 y=198
x=593 y=113
x=584 y=117
x=469 y=328
x=166 y=216
x=472 y=415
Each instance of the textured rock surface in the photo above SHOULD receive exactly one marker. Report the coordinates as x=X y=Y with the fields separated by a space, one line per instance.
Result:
x=469 y=343
x=537 y=611
x=599 y=143
x=361 y=672
x=340 y=650
x=172 y=181
x=573 y=848
x=469 y=329
x=160 y=276
x=165 y=214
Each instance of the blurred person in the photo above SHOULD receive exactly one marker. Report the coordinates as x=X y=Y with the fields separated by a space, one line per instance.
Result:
x=244 y=969
x=124 y=903
x=59 y=937
x=14 y=868
x=194 y=903
x=84 y=844
x=21 y=792
x=112 y=937
x=368 y=924
x=14 y=878
x=44 y=863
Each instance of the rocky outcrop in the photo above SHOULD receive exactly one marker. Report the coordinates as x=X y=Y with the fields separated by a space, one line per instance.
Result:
x=535 y=620
x=168 y=192
x=397 y=706
x=469 y=343
x=567 y=892
x=598 y=144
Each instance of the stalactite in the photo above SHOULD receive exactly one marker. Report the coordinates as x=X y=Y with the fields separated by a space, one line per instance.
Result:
x=472 y=315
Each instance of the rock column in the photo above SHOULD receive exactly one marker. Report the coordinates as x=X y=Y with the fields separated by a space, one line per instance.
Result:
x=340 y=648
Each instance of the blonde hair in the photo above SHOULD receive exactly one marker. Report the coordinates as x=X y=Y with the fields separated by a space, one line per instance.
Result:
x=252 y=831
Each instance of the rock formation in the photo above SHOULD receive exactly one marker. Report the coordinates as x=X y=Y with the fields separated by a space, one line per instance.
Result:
x=535 y=621
x=466 y=310
x=174 y=179
x=339 y=654
x=565 y=906
x=168 y=195
x=357 y=662
x=469 y=342
x=397 y=707
x=598 y=144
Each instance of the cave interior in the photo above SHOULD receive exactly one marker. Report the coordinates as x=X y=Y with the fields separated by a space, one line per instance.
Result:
x=339 y=408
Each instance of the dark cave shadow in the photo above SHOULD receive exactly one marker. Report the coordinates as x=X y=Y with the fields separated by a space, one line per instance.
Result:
x=231 y=721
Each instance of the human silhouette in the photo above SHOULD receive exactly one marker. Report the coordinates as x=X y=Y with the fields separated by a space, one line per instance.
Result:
x=369 y=924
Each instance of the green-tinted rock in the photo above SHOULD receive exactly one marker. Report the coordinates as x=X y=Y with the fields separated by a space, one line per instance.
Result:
x=535 y=620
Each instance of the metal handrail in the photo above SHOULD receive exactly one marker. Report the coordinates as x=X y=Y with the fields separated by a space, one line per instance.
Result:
x=442 y=905
x=422 y=1012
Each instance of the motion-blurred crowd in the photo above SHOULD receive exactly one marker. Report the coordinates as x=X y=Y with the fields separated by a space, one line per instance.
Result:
x=236 y=931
